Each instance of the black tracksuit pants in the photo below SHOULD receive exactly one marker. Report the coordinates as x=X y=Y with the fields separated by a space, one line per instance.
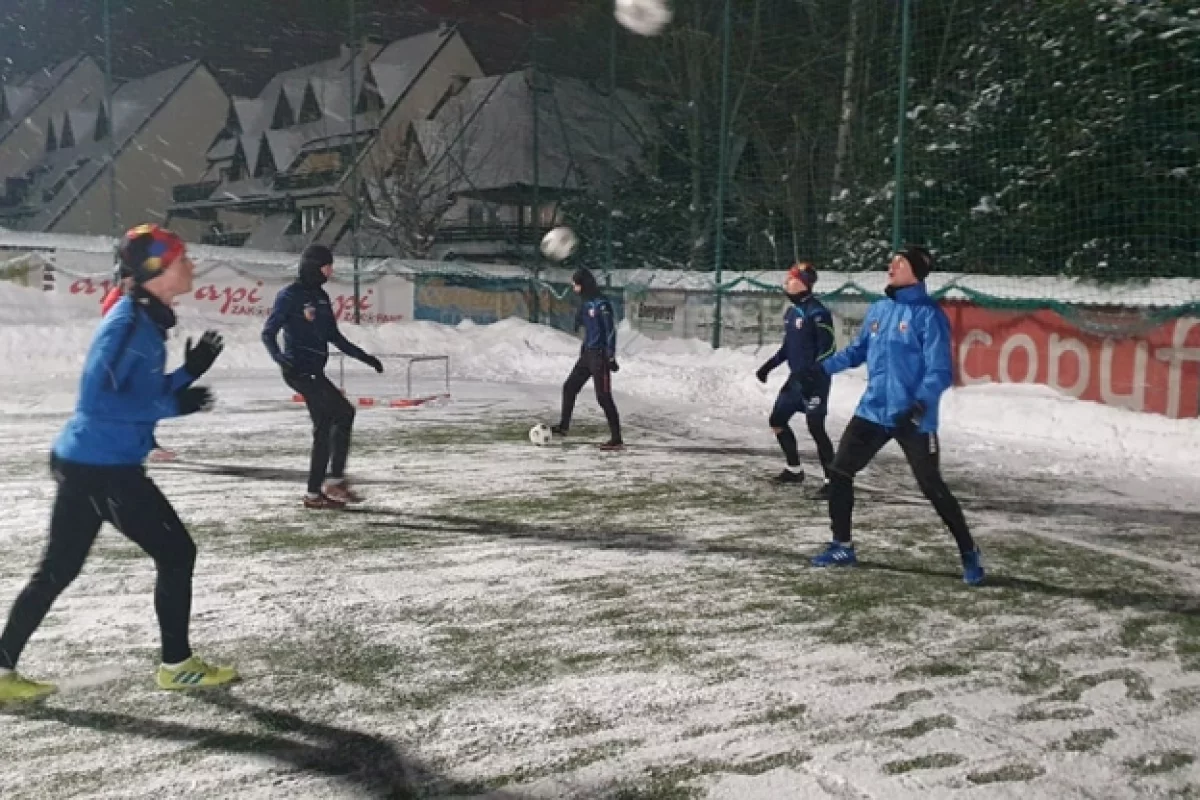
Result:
x=128 y=500
x=593 y=364
x=333 y=422
x=861 y=441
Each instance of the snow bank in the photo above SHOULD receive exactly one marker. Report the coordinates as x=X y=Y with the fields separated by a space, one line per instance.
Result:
x=43 y=339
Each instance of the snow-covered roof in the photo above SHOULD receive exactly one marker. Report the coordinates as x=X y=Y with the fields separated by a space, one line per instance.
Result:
x=63 y=174
x=35 y=90
x=483 y=136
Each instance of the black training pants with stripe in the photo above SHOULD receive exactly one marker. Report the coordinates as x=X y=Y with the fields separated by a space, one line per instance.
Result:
x=333 y=423
x=861 y=441
x=593 y=364
x=88 y=497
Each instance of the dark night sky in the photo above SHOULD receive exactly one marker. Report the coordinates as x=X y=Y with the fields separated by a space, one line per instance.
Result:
x=245 y=41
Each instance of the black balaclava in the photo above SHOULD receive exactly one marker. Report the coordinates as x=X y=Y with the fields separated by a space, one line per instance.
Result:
x=314 y=257
x=586 y=282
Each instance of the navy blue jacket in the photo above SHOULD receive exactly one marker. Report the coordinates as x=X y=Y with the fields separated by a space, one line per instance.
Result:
x=599 y=327
x=808 y=336
x=125 y=389
x=305 y=315
x=906 y=344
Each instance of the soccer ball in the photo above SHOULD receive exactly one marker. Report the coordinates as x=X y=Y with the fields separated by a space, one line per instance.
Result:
x=540 y=434
x=558 y=244
x=644 y=17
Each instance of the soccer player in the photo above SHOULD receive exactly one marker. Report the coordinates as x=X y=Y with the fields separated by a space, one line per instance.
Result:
x=808 y=339
x=98 y=457
x=305 y=315
x=122 y=286
x=905 y=342
x=597 y=358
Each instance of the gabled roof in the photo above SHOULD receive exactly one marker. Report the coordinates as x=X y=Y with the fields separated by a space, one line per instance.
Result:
x=284 y=146
x=333 y=96
x=485 y=133
x=134 y=104
x=399 y=64
x=14 y=99
x=36 y=89
x=249 y=111
x=223 y=150
x=82 y=124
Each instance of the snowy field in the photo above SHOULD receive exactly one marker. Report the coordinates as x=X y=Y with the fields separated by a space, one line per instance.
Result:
x=507 y=621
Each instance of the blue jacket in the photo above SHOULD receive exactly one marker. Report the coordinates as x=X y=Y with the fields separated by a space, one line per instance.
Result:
x=305 y=316
x=808 y=336
x=125 y=389
x=599 y=328
x=906 y=344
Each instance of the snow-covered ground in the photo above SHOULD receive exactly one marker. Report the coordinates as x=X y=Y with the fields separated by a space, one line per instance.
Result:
x=507 y=621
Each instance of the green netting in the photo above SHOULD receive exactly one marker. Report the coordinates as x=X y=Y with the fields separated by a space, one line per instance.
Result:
x=1015 y=139
x=1018 y=140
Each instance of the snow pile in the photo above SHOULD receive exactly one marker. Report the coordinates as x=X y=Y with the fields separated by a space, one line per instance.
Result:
x=42 y=342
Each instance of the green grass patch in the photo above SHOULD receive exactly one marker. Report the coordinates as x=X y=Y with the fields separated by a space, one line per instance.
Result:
x=1009 y=773
x=923 y=726
x=1085 y=741
x=1159 y=762
x=931 y=761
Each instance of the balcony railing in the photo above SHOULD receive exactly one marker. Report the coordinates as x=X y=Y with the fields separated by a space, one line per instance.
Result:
x=508 y=233
x=192 y=192
x=231 y=239
x=305 y=180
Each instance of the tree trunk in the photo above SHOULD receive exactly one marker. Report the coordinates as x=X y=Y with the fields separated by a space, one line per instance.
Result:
x=847 y=115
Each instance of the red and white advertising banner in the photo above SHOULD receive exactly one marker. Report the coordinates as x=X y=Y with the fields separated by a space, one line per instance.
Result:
x=223 y=292
x=1153 y=369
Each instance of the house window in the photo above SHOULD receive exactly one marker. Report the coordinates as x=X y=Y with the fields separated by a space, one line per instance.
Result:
x=311 y=218
x=475 y=216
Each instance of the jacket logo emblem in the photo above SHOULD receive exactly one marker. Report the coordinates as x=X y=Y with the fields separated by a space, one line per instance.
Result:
x=799 y=322
x=903 y=326
x=875 y=327
x=310 y=312
x=591 y=312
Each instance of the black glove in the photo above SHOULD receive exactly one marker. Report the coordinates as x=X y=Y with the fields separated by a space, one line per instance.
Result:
x=193 y=399
x=197 y=360
x=613 y=366
x=908 y=421
x=763 y=372
x=374 y=363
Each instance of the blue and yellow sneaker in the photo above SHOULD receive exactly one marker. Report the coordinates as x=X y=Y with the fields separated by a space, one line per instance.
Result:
x=15 y=688
x=195 y=674
x=836 y=555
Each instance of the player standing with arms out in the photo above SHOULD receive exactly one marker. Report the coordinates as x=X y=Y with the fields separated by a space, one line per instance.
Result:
x=808 y=339
x=305 y=315
x=98 y=459
x=905 y=342
x=597 y=358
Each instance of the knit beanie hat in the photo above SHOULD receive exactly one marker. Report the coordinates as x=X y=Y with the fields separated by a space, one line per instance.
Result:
x=805 y=272
x=919 y=258
x=146 y=250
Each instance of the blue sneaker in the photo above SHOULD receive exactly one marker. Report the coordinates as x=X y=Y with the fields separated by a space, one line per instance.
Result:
x=973 y=568
x=836 y=555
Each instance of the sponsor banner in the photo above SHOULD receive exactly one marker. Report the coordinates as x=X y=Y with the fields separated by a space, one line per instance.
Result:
x=450 y=300
x=224 y=292
x=1156 y=370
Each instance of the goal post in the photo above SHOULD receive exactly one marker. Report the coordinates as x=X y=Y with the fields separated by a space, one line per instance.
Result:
x=363 y=387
